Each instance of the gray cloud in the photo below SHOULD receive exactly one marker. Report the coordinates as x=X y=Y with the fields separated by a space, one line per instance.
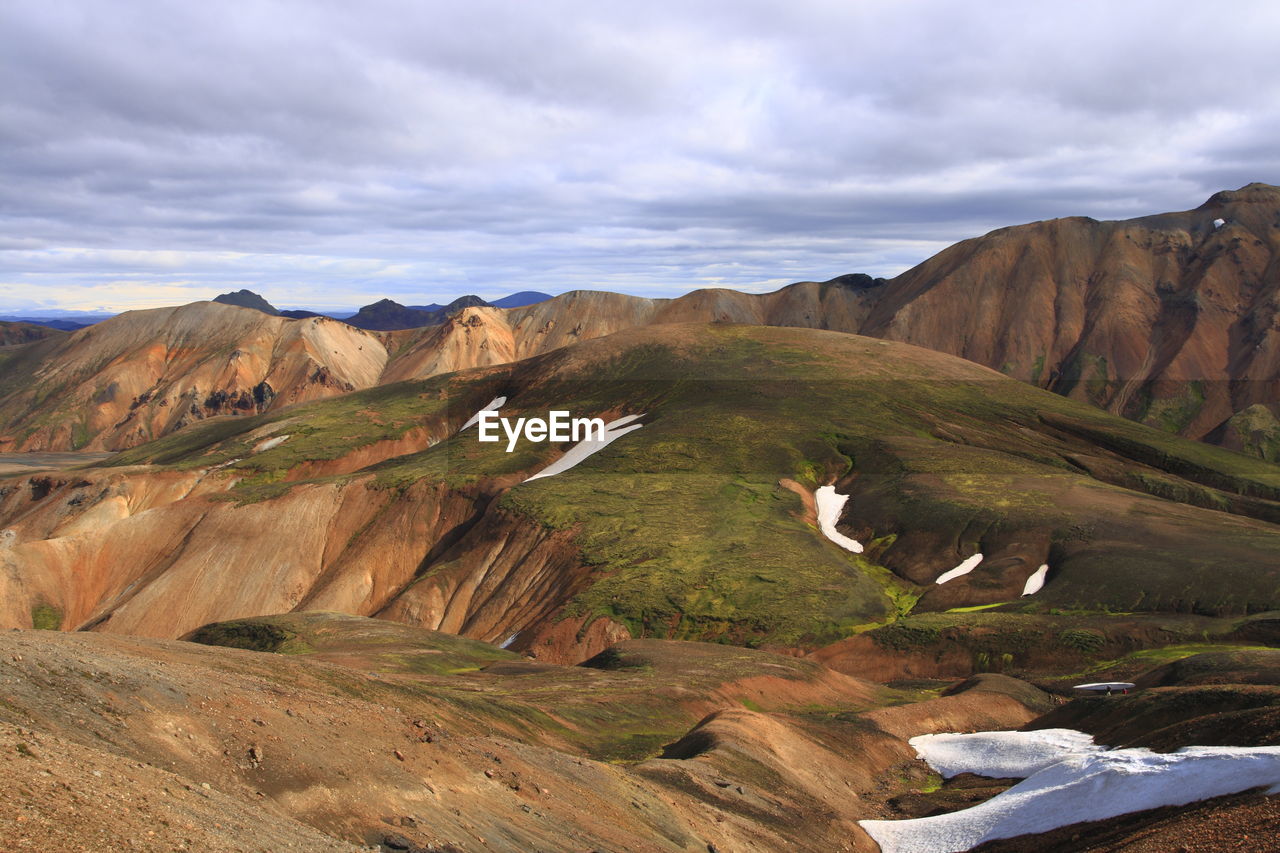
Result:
x=328 y=153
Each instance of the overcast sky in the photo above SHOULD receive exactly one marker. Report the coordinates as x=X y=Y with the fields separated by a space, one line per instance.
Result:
x=327 y=154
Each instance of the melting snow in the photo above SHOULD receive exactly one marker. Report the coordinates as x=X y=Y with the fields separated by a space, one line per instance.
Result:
x=962 y=569
x=270 y=443
x=493 y=405
x=589 y=447
x=1069 y=780
x=1001 y=754
x=829 y=506
x=1035 y=583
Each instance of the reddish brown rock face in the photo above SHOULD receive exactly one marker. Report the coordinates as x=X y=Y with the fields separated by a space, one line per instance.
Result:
x=1167 y=319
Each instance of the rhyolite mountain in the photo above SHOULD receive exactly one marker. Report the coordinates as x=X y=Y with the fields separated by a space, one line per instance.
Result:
x=1169 y=320
x=144 y=374
x=386 y=315
x=247 y=299
x=698 y=525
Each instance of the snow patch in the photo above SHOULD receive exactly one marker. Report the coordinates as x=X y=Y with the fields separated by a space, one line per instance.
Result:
x=492 y=406
x=1084 y=783
x=589 y=447
x=1035 y=583
x=1218 y=223
x=830 y=505
x=962 y=569
x=506 y=644
x=270 y=443
x=1001 y=754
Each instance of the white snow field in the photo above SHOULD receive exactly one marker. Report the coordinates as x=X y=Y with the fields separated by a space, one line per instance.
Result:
x=588 y=447
x=1070 y=779
x=270 y=443
x=829 y=506
x=494 y=405
x=963 y=569
x=1035 y=583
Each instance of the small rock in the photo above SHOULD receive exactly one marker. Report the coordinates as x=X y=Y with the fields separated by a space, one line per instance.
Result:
x=489 y=773
x=255 y=753
x=397 y=842
x=398 y=754
x=408 y=821
x=722 y=783
x=422 y=724
x=206 y=786
x=712 y=848
x=258 y=722
x=740 y=791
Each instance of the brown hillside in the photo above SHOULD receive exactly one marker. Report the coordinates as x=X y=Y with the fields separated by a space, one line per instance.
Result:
x=144 y=374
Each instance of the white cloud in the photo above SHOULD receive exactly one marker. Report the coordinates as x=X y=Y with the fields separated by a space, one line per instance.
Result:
x=339 y=153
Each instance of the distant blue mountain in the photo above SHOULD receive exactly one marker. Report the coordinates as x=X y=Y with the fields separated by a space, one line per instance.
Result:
x=521 y=299
x=67 y=321
x=382 y=315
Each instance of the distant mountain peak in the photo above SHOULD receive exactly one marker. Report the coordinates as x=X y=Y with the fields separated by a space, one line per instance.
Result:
x=247 y=299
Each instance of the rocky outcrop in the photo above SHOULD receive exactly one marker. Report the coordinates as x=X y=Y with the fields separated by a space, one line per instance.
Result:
x=1171 y=320
x=145 y=374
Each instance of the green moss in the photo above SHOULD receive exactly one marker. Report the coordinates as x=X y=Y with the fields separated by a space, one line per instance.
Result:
x=46 y=617
x=80 y=435
x=1037 y=369
x=903 y=637
x=258 y=635
x=1258 y=431
x=932 y=782
x=1083 y=640
x=977 y=607
x=1175 y=414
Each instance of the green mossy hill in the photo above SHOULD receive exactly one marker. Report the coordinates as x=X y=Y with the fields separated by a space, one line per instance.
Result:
x=386 y=646
x=623 y=713
x=691 y=534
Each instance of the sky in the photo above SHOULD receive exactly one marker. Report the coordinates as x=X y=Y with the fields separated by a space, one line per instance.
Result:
x=327 y=154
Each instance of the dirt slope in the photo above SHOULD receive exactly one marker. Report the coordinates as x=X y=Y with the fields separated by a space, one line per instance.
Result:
x=365 y=739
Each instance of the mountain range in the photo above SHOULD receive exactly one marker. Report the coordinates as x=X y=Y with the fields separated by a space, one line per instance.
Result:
x=821 y=522
x=386 y=315
x=1168 y=320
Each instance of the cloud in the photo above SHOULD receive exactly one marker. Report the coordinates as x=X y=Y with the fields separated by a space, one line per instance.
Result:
x=331 y=153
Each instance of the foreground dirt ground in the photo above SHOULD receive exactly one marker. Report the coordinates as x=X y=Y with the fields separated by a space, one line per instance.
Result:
x=375 y=736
